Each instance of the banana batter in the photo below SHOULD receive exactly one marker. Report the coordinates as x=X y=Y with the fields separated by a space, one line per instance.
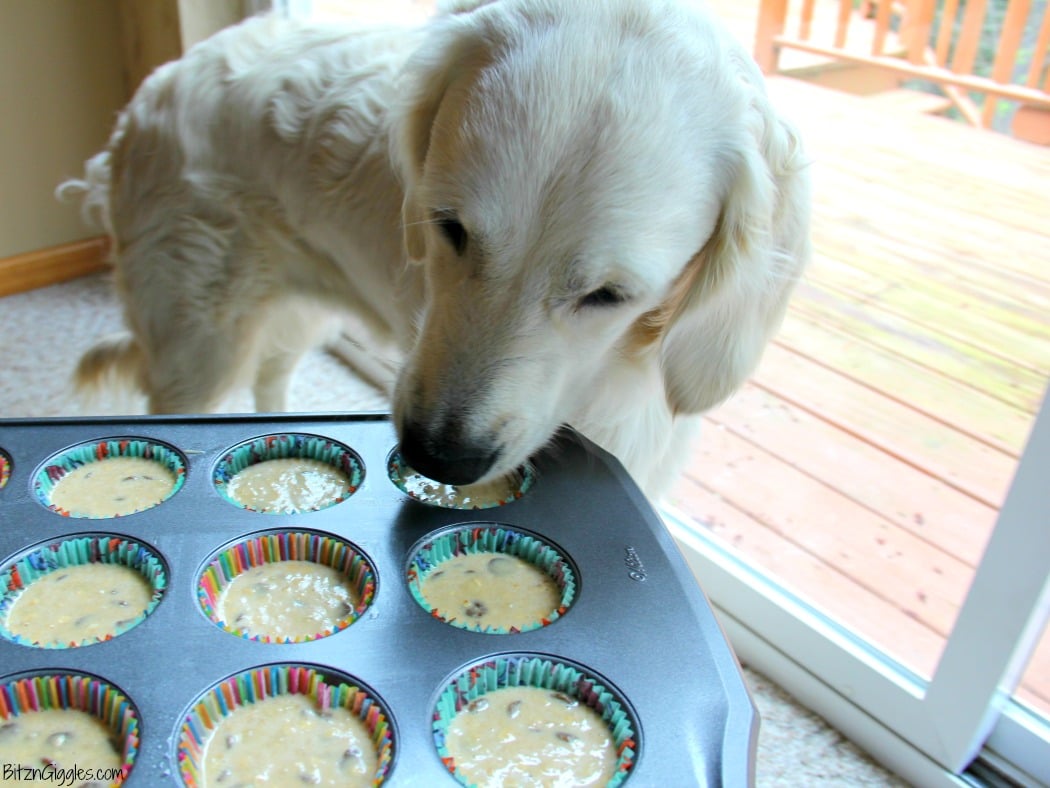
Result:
x=112 y=487
x=527 y=736
x=490 y=590
x=289 y=485
x=79 y=604
x=466 y=496
x=62 y=738
x=286 y=599
x=288 y=741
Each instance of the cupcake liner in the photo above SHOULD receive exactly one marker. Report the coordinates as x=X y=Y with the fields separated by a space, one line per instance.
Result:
x=328 y=689
x=499 y=540
x=397 y=470
x=288 y=446
x=56 y=468
x=526 y=670
x=80 y=692
x=269 y=548
x=19 y=573
x=5 y=469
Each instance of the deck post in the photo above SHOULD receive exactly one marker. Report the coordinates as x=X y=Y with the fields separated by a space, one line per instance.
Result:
x=772 y=18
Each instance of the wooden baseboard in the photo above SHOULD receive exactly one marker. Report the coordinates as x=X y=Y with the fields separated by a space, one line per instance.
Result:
x=52 y=265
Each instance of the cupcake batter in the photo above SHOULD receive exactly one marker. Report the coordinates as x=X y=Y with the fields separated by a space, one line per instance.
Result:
x=490 y=590
x=288 y=741
x=527 y=736
x=286 y=599
x=466 y=496
x=78 y=604
x=65 y=738
x=288 y=485
x=113 y=486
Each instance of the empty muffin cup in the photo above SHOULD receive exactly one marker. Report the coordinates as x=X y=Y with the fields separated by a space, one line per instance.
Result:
x=79 y=591
x=487 y=495
x=110 y=478
x=516 y=719
x=283 y=587
x=70 y=723
x=290 y=723
x=288 y=474
x=491 y=579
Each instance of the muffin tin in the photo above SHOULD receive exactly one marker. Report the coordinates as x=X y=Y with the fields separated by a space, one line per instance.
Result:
x=635 y=625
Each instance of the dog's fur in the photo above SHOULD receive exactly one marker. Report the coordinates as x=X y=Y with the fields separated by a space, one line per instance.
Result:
x=561 y=211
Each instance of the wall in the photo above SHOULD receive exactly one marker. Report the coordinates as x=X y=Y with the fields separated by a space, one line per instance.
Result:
x=60 y=88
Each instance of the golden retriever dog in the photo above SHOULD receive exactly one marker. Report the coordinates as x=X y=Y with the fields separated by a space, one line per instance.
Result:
x=559 y=211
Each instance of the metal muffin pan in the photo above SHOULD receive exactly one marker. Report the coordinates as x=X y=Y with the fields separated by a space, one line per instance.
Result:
x=638 y=620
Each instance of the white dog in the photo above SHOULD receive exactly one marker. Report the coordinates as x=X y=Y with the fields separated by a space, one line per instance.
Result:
x=561 y=211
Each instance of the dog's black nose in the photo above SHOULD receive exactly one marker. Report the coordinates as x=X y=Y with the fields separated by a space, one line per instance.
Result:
x=446 y=457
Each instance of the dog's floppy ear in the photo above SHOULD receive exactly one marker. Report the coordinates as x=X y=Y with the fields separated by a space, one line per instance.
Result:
x=452 y=46
x=732 y=297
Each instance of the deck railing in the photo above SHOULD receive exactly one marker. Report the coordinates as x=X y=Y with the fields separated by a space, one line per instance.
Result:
x=959 y=46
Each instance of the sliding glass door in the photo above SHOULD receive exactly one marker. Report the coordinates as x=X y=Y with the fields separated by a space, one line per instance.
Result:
x=927 y=729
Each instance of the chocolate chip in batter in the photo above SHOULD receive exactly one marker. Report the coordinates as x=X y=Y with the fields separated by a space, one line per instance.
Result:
x=478 y=704
x=476 y=609
x=565 y=736
x=514 y=709
x=567 y=700
x=351 y=757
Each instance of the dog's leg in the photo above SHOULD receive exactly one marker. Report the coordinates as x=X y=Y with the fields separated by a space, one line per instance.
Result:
x=197 y=372
x=272 y=380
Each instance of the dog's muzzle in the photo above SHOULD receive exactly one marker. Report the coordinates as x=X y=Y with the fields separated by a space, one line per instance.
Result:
x=445 y=456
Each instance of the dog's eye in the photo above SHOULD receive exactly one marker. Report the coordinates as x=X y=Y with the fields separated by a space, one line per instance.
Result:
x=454 y=232
x=603 y=296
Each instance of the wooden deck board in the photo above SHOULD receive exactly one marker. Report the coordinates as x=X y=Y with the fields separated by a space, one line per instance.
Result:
x=865 y=462
x=923 y=443
x=978 y=414
x=818 y=448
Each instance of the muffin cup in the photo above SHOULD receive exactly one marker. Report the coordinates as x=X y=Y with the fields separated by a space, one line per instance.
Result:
x=80 y=692
x=397 y=470
x=288 y=446
x=56 y=468
x=20 y=572
x=498 y=540
x=528 y=670
x=329 y=689
x=5 y=469
x=268 y=548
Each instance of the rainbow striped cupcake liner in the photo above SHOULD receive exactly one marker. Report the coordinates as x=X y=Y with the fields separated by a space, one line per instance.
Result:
x=56 y=468
x=5 y=469
x=268 y=548
x=499 y=540
x=529 y=670
x=288 y=446
x=397 y=470
x=79 y=692
x=328 y=689
x=77 y=551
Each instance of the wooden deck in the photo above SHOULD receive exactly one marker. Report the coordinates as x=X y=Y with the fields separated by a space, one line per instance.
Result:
x=865 y=462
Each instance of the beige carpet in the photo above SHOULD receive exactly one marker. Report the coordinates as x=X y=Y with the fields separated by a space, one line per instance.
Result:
x=43 y=333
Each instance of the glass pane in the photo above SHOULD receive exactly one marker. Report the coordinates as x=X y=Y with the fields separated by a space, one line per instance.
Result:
x=864 y=465
x=1034 y=689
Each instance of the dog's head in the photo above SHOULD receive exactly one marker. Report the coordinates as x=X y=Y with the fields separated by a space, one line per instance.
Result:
x=592 y=187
